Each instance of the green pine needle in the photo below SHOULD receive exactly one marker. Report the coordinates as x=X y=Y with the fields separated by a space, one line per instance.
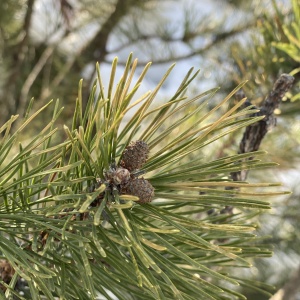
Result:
x=70 y=231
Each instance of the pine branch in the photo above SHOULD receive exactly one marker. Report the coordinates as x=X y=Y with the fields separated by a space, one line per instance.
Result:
x=32 y=77
x=46 y=91
x=69 y=234
x=67 y=12
x=19 y=57
x=96 y=50
x=255 y=133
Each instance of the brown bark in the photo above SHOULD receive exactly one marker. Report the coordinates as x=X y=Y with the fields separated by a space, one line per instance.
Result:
x=255 y=133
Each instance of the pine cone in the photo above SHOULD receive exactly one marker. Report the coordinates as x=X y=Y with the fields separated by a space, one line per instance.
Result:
x=135 y=155
x=141 y=188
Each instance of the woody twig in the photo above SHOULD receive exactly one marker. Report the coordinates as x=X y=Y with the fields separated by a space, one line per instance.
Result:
x=255 y=133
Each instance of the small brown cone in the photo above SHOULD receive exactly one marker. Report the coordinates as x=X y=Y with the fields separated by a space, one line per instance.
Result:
x=135 y=155
x=141 y=188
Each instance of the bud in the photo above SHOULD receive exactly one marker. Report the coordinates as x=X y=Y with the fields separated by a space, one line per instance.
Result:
x=121 y=176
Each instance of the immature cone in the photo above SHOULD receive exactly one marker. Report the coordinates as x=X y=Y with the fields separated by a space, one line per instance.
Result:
x=141 y=188
x=135 y=155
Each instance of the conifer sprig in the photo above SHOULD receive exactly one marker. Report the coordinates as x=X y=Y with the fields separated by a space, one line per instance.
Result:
x=74 y=223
